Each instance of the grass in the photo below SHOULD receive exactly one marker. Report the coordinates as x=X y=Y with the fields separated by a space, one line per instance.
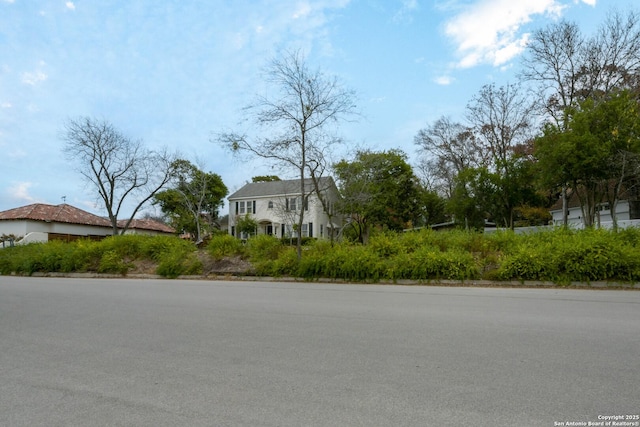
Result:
x=560 y=256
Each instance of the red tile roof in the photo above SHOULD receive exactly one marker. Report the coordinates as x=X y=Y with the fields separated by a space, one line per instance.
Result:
x=147 y=224
x=71 y=215
x=59 y=213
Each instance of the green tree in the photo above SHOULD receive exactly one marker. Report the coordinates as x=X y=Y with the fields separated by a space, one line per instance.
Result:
x=600 y=144
x=379 y=189
x=481 y=194
x=193 y=201
x=567 y=67
x=475 y=189
x=265 y=178
x=246 y=224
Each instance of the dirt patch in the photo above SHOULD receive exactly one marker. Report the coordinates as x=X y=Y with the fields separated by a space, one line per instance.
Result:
x=226 y=265
x=143 y=266
x=210 y=266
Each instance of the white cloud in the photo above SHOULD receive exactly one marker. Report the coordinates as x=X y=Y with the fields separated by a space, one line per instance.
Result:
x=8 y=1
x=487 y=31
x=404 y=14
x=303 y=10
x=20 y=191
x=33 y=78
x=443 y=80
x=70 y=5
x=6 y=105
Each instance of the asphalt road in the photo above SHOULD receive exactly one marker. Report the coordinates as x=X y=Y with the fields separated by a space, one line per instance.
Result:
x=92 y=352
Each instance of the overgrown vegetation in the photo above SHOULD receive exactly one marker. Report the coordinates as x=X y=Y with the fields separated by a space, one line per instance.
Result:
x=561 y=256
x=114 y=255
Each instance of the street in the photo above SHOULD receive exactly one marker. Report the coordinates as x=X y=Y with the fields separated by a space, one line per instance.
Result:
x=131 y=352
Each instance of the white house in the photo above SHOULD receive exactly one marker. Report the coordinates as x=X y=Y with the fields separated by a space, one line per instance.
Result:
x=40 y=222
x=626 y=215
x=276 y=206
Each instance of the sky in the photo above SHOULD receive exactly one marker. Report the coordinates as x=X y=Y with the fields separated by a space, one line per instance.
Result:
x=174 y=73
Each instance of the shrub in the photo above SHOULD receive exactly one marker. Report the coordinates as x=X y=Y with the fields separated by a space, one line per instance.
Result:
x=127 y=246
x=263 y=248
x=285 y=265
x=112 y=262
x=174 y=264
x=430 y=263
x=225 y=245
x=386 y=244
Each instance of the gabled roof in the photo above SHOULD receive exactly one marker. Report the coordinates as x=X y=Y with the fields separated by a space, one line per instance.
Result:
x=146 y=224
x=279 y=188
x=49 y=213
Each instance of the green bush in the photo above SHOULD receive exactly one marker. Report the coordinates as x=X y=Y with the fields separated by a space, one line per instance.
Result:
x=386 y=244
x=285 y=265
x=264 y=248
x=174 y=264
x=431 y=263
x=560 y=255
x=112 y=262
x=126 y=246
x=225 y=245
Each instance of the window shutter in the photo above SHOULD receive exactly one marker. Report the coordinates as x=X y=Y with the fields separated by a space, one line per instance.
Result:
x=236 y=208
x=254 y=207
x=310 y=229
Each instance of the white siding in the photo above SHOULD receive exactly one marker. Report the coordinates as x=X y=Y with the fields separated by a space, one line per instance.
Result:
x=278 y=214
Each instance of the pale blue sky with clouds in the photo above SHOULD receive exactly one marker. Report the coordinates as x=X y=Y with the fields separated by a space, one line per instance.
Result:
x=173 y=73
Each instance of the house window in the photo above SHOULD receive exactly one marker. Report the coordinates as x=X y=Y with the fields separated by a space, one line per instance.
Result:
x=289 y=231
x=246 y=207
x=305 y=230
x=270 y=206
x=292 y=204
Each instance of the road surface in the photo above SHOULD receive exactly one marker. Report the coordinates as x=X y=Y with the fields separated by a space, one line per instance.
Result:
x=93 y=352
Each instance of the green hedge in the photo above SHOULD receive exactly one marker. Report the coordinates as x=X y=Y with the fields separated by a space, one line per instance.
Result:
x=559 y=256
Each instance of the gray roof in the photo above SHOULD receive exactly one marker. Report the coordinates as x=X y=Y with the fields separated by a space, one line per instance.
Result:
x=279 y=188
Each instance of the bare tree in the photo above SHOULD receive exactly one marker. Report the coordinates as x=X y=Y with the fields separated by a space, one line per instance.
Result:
x=501 y=119
x=447 y=148
x=120 y=169
x=295 y=122
x=552 y=63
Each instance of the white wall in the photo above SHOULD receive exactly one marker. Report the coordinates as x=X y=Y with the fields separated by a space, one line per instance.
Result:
x=21 y=228
x=575 y=214
x=278 y=215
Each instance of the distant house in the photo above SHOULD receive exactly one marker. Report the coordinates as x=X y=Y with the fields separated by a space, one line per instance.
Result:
x=276 y=205
x=627 y=213
x=41 y=222
x=146 y=226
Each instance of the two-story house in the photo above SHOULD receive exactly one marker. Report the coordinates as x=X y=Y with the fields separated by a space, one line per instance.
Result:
x=276 y=205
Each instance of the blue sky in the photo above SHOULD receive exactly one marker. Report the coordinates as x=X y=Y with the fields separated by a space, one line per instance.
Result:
x=173 y=73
